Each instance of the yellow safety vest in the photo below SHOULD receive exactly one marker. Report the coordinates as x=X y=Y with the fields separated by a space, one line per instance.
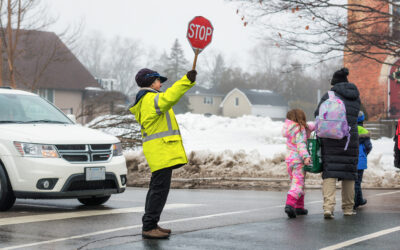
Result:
x=162 y=141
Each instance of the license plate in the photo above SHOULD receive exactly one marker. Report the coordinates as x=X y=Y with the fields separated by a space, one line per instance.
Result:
x=95 y=174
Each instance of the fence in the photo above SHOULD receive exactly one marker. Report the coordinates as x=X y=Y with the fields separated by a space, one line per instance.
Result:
x=382 y=128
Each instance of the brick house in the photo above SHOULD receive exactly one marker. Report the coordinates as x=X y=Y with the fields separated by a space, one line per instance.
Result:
x=380 y=95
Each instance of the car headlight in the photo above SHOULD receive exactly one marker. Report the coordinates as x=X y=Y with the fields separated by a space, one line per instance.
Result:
x=117 y=149
x=36 y=150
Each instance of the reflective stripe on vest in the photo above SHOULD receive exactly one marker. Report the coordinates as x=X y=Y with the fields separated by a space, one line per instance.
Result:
x=158 y=111
x=160 y=134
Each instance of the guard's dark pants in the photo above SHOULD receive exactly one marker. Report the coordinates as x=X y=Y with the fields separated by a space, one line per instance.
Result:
x=358 y=199
x=156 y=197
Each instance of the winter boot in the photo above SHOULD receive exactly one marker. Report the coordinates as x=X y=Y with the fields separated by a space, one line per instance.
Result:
x=290 y=211
x=290 y=206
x=328 y=214
x=300 y=210
x=363 y=202
x=154 y=234
x=164 y=230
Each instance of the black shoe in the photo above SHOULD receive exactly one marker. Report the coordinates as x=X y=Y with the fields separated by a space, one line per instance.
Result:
x=289 y=210
x=364 y=201
x=301 y=211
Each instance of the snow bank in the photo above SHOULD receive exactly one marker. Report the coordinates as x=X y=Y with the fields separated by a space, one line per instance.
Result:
x=251 y=147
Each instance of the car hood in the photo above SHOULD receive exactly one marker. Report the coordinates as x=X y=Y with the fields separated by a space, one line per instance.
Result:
x=54 y=134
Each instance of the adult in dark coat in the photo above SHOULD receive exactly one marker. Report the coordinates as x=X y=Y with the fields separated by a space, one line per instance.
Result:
x=337 y=162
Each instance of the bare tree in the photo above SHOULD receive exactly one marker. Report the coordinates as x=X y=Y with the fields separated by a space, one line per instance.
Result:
x=326 y=28
x=123 y=63
x=23 y=42
x=118 y=58
x=16 y=15
x=92 y=52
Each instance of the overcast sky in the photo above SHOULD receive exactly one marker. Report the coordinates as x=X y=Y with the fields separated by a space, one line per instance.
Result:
x=157 y=23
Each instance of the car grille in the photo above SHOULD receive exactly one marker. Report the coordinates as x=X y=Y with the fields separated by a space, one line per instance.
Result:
x=78 y=183
x=84 y=153
x=91 y=185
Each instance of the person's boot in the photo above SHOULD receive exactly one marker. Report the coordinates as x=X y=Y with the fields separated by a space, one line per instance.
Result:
x=300 y=210
x=289 y=210
x=164 y=230
x=328 y=214
x=363 y=202
x=154 y=234
x=290 y=206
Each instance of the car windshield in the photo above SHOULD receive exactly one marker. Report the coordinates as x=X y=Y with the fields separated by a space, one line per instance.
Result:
x=16 y=108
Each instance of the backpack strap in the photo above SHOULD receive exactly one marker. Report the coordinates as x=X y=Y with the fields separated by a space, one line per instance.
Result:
x=331 y=94
x=348 y=139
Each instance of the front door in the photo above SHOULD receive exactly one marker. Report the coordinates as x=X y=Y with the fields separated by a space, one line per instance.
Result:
x=394 y=92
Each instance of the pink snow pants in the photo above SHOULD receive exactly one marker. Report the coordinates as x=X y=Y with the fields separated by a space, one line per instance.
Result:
x=297 y=176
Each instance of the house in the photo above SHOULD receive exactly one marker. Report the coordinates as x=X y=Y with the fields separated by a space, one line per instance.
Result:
x=110 y=84
x=46 y=66
x=204 y=101
x=237 y=102
x=378 y=83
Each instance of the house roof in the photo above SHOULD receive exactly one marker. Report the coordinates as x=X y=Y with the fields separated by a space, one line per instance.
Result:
x=44 y=61
x=264 y=97
x=200 y=91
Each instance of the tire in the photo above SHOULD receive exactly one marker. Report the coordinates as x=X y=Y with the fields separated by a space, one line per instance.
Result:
x=7 y=198
x=94 y=201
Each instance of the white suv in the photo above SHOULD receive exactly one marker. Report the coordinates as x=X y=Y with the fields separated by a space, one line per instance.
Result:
x=44 y=155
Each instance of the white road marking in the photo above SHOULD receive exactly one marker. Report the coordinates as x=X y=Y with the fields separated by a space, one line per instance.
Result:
x=140 y=225
x=362 y=238
x=87 y=213
x=388 y=193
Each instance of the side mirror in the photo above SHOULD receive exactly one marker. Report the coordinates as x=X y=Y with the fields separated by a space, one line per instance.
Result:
x=72 y=117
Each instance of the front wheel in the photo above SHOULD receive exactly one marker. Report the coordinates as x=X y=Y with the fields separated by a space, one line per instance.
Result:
x=94 y=201
x=7 y=198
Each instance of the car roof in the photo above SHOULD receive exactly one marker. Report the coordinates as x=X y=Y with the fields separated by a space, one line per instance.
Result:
x=14 y=91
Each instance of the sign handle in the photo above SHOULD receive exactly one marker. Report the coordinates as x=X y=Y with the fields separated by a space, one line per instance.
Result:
x=196 y=53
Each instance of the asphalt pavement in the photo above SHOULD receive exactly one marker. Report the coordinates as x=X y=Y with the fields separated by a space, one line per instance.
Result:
x=203 y=219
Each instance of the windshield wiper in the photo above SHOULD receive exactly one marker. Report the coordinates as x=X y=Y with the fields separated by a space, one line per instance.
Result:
x=45 y=121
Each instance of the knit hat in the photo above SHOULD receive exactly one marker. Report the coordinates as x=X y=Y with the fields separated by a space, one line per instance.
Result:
x=361 y=116
x=340 y=76
x=145 y=77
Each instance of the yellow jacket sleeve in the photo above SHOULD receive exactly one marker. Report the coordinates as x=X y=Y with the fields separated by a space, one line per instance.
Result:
x=164 y=101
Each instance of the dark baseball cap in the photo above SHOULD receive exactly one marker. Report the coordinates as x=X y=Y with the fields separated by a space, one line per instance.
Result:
x=145 y=77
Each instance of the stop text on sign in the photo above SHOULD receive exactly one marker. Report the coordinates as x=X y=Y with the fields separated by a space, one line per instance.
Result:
x=197 y=31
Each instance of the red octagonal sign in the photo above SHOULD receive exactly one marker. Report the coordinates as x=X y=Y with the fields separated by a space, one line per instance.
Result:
x=199 y=34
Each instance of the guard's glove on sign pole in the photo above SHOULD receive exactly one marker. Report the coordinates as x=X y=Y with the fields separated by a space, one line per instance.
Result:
x=199 y=34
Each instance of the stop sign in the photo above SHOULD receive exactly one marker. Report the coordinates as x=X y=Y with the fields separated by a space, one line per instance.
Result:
x=199 y=34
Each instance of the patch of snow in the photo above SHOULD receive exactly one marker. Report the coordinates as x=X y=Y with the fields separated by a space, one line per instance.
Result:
x=251 y=146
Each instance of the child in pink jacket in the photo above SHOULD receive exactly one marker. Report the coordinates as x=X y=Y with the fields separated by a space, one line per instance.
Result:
x=296 y=130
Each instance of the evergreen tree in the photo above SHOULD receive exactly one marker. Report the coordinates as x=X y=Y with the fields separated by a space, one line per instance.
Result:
x=217 y=72
x=176 y=67
x=177 y=64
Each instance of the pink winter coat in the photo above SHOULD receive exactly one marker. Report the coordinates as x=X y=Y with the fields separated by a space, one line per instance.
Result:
x=296 y=142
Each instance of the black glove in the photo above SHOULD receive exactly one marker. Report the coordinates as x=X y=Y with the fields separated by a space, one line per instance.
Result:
x=191 y=75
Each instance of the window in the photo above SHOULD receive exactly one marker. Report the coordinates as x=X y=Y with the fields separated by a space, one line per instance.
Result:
x=208 y=100
x=396 y=19
x=237 y=101
x=47 y=94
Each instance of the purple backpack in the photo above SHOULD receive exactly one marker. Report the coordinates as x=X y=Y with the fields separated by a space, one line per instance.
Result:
x=331 y=121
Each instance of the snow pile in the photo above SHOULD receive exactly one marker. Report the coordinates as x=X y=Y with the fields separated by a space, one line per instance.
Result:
x=250 y=147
